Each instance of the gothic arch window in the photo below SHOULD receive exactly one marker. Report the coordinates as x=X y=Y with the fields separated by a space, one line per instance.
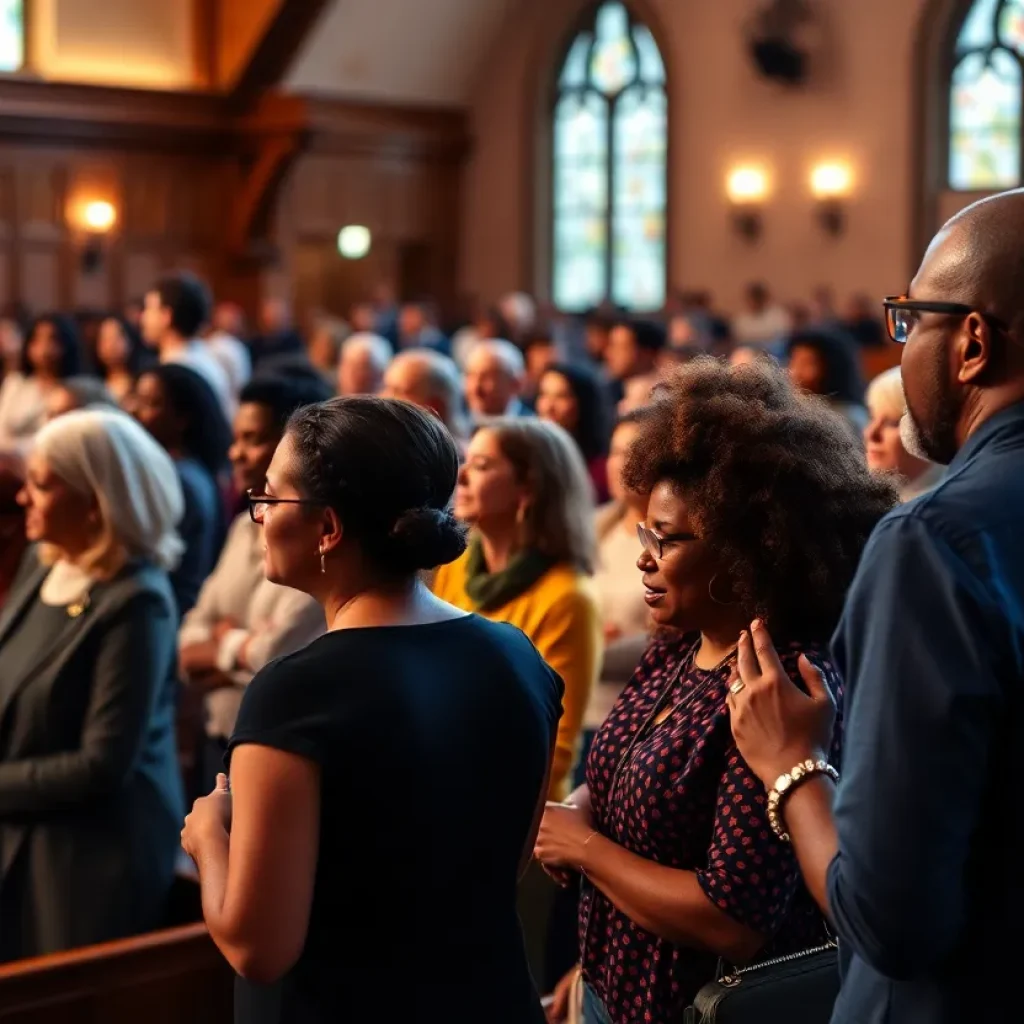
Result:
x=610 y=148
x=12 y=34
x=985 y=99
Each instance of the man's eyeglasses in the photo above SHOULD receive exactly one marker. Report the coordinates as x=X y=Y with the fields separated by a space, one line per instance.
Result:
x=902 y=315
x=654 y=544
x=259 y=503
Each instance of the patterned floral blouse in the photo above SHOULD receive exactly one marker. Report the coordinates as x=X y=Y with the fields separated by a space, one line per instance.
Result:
x=686 y=799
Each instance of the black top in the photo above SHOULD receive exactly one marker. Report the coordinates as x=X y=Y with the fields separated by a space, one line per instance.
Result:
x=433 y=741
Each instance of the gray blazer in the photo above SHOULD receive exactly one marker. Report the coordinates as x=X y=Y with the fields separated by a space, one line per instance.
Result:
x=91 y=799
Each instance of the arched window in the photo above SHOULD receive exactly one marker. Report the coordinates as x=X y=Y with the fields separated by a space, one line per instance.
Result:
x=986 y=92
x=12 y=34
x=610 y=146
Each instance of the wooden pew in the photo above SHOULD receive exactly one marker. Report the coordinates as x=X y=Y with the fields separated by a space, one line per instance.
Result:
x=173 y=976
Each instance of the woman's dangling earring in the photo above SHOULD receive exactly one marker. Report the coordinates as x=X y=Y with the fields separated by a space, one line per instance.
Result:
x=521 y=523
x=711 y=591
x=323 y=562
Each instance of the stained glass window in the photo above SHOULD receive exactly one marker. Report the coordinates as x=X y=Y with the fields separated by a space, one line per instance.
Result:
x=12 y=35
x=610 y=166
x=986 y=93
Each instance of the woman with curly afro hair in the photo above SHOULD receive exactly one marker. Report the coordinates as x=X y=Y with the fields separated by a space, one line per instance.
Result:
x=760 y=507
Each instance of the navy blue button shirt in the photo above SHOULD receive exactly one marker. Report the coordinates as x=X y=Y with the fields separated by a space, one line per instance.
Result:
x=927 y=890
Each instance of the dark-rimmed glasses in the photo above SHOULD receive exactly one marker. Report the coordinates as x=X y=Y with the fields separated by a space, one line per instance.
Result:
x=902 y=315
x=654 y=544
x=259 y=503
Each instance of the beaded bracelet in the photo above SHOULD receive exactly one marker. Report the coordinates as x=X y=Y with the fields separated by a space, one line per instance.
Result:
x=786 y=783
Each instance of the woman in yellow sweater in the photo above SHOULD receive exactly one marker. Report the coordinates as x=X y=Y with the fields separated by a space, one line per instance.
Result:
x=525 y=491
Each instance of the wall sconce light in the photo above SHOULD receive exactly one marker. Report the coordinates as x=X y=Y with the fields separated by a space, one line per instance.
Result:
x=354 y=241
x=831 y=184
x=96 y=219
x=99 y=216
x=747 y=188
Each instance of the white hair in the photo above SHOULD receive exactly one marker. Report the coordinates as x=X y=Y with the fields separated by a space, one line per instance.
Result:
x=505 y=352
x=519 y=310
x=377 y=348
x=106 y=454
x=441 y=381
x=885 y=393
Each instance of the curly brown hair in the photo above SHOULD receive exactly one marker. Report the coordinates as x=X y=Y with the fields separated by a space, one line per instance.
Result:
x=773 y=482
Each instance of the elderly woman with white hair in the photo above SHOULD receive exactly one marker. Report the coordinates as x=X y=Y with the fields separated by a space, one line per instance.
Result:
x=495 y=378
x=885 y=451
x=364 y=358
x=91 y=799
x=432 y=381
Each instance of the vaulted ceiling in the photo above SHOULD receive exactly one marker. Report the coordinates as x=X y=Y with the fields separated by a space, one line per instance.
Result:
x=398 y=51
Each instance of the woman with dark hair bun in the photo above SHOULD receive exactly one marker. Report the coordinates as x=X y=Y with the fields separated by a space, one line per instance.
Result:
x=387 y=781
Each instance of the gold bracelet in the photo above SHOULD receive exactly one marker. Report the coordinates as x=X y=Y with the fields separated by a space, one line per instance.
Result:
x=786 y=783
x=593 y=832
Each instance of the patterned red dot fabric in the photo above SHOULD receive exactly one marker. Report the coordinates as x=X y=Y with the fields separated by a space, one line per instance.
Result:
x=686 y=799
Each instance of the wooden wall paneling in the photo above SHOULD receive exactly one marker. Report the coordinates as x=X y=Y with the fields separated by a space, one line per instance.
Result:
x=40 y=197
x=198 y=184
x=444 y=210
x=309 y=286
x=319 y=184
x=8 y=296
x=8 y=285
x=91 y=178
x=147 y=188
x=92 y=288
x=367 y=199
x=141 y=269
x=40 y=278
x=199 y=263
x=6 y=197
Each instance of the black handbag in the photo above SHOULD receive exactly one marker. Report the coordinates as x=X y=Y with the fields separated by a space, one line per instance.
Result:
x=800 y=988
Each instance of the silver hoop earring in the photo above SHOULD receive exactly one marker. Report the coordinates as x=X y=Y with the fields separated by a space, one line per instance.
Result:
x=323 y=563
x=711 y=592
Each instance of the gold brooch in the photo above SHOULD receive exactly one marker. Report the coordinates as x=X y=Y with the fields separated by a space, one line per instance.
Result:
x=79 y=606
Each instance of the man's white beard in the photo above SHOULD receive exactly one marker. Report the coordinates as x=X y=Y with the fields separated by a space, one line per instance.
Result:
x=910 y=435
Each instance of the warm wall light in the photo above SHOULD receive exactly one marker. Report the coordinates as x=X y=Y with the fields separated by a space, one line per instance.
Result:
x=831 y=181
x=91 y=221
x=747 y=189
x=748 y=184
x=354 y=241
x=98 y=216
x=831 y=185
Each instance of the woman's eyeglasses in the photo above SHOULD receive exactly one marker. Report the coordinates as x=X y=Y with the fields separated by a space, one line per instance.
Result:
x=902 y=315
x=654 y=544
x=259 y=503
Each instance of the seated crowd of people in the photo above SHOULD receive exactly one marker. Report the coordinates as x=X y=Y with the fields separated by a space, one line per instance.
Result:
x=189 y=519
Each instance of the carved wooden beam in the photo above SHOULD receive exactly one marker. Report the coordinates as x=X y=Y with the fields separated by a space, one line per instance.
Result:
x=273 y=54
x=277 y=132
